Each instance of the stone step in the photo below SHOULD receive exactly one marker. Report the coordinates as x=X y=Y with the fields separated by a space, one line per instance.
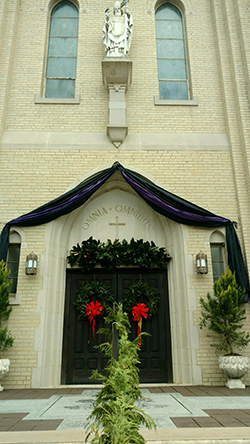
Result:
x=239 y=435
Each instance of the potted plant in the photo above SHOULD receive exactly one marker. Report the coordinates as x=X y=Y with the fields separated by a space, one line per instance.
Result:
x=6 y=340
x=223 y=315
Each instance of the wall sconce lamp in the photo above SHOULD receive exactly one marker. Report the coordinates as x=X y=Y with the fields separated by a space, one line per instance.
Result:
x=201 y=263
x=31 y=264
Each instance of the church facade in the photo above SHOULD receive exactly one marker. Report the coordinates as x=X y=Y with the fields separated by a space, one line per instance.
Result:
x=170 y=107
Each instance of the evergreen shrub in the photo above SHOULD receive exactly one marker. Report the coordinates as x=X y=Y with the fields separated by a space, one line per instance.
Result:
x=224 y=315
x=6 y=340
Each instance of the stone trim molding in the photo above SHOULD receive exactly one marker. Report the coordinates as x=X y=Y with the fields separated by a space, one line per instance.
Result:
x=52 y=101
x=82 y=5
x=151 y=5
x=15 y=299
x=164 y=102
x=48 y=341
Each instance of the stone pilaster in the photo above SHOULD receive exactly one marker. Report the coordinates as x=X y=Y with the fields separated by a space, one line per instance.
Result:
x=8 y=23
x=117 y=76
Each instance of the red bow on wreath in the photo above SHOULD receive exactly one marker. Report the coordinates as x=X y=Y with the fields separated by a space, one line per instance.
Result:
x=93 y=309
x=138 y=311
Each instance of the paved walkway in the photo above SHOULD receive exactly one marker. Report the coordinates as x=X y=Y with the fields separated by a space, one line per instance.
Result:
x=169 y=406
x=172 y=407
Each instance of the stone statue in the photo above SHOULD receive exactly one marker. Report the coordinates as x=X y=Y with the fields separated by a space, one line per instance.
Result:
x=117 y=30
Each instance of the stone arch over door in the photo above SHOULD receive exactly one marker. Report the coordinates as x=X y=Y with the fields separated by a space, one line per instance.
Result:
x=114 y=203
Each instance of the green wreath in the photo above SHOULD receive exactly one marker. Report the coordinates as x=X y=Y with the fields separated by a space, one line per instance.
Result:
x=93 y=291
x=141 y=292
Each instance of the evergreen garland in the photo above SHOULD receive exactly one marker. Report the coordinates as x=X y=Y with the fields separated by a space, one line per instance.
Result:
x=112 y=254
x=93 y=291
x=6 y=340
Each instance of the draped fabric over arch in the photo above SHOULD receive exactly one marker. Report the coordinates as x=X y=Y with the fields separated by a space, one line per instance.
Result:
x=161 y=200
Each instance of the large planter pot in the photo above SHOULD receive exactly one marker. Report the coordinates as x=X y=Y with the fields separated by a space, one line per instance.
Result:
x=234 y=367
x=4 y=368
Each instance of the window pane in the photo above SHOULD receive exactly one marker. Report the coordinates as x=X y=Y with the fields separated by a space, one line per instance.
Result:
x=65 y=27
x=173 y=90
x=13 y=265
x=217 y=255
x=170 y=49
x=169 y=30
x=172 y=69
x=61 y=67
x=62 y=46
x=216 y=252
x=65 y=9
x=13 y=286
x=60 y=89
x=62 y=51
x=169 y=12
x=218 y=269
x=13 y=253
x=171 y=56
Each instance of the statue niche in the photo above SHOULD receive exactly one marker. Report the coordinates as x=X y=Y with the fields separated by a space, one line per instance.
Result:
x=117 y=30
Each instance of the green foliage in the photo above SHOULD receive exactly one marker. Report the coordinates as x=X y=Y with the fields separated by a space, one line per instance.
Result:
x=93 y=291
x=224 y=316
x=86 y=255
x=112 y=254
x=6 y=340
x=116 y=417
x=141 y=292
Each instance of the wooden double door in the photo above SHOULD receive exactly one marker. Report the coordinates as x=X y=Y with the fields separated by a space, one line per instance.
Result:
x=80 y=356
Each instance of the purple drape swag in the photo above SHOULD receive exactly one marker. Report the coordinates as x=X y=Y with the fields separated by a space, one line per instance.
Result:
x=162 y=201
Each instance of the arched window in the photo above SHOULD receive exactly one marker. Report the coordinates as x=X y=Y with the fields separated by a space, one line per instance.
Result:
x=13 y=259
x=171 y=55
x=218 y=255
x=62 y=51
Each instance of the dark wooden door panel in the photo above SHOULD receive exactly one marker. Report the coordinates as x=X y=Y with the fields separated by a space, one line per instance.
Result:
x=80 y=356
x=154 y=354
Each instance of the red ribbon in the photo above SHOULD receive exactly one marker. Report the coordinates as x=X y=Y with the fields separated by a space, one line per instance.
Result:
x=138 y=311
x=93 y=309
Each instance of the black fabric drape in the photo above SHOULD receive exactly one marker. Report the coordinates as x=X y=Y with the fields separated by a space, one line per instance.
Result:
x=159 y=199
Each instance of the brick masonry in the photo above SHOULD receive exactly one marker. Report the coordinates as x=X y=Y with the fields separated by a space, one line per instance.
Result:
x=36 y=168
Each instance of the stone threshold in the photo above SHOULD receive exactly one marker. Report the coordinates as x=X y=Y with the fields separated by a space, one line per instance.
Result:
x=163 y=436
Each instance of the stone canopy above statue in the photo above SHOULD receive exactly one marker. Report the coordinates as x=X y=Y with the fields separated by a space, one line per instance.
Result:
x=117 y=30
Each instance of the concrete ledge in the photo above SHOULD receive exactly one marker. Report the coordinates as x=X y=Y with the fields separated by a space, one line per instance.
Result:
x=81 y=140
x=239 y=435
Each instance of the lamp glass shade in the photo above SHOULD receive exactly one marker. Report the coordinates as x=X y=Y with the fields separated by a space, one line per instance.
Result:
x=201 y=263
x=31 y=264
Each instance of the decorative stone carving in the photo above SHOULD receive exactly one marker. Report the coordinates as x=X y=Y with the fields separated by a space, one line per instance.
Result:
x=117 y=30
x=4 y=368
x=234 y=368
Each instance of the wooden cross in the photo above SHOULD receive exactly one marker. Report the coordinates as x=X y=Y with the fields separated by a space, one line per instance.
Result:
x=117 y=224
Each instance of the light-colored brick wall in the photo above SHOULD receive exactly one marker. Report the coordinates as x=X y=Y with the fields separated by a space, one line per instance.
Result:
x=25 y=318
x=91 y=114
x=203 y=284
x=8 y=23
x=218 y=42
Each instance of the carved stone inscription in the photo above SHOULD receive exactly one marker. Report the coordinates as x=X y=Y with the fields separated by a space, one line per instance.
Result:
x=119 y=210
